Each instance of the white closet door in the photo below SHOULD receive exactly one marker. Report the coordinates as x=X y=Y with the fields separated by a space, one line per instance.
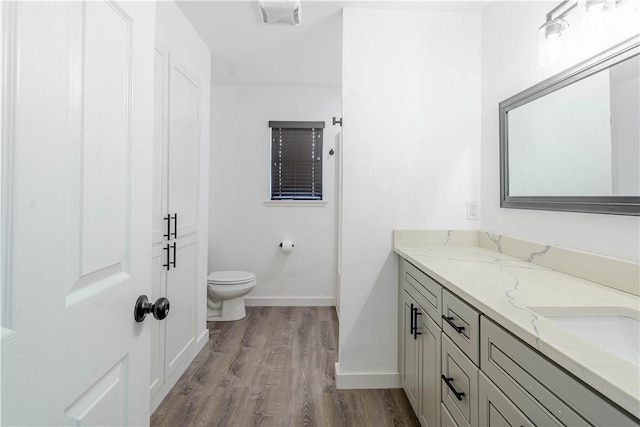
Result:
x=158 y=290
x=159 y=221
x=181 y=291
x=76 y=199
x=184 y=110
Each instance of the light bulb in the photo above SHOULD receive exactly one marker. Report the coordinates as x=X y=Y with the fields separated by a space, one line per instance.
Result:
x=553 y=29
x=597 y=5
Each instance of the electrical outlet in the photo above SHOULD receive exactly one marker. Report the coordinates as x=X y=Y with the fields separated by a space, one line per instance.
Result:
x=473 y=210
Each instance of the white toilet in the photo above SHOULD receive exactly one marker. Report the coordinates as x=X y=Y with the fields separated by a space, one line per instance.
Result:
x=226 y=291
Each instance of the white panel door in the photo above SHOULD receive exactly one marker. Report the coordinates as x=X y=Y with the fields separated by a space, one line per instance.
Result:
x=181 y=291
x=76 y=199
x=160 y=222
x=184 y=110
x=158 y=290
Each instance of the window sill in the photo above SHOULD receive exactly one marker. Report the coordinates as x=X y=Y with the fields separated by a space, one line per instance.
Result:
x=296 y=203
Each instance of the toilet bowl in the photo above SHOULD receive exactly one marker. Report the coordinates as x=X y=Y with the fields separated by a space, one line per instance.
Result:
x=226 y=291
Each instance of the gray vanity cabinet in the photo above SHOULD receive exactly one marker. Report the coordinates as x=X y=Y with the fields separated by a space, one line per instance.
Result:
x=420 y=343
x=459 y=368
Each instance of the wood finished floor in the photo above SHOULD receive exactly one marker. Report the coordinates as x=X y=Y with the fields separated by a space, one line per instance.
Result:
x=276 y=368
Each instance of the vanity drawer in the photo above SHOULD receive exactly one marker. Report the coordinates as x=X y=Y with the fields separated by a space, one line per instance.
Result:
x=430 y=298
x=459 y=375
x=539 y=388
x=495 y=409
x=461 y=323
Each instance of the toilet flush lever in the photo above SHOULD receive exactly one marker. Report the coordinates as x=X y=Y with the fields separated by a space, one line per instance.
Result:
x=159 y=309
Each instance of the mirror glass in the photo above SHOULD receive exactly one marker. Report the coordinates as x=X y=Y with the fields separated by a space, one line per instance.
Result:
x=573 y=141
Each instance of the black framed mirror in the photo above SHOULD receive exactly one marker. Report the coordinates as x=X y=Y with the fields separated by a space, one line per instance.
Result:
x=572 y=142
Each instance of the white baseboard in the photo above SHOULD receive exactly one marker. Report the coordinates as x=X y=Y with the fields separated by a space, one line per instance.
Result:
x=360 y=380
x=202 y=340
x=289 y=301
x=157 y=399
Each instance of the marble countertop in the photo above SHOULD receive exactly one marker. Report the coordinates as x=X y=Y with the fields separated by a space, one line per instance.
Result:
x=514 y=292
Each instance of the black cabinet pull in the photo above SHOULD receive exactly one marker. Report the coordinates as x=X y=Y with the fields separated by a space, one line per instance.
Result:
x=411 y=329
x=453 y=390
x=175 y=226
x=173 y=263
x=168 y=219
x=168 y=264
x=449 y=320
x=415 y=328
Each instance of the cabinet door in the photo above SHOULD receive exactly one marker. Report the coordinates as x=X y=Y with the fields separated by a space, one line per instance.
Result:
x=158 y=289
x=495 y=409
x=180 y=325
x=411 y=355
x=402 y=326
x=462 y=376
x=184 y=134
x=446 y=418
x=430 y=376
x=159 y=210
x=543 y=391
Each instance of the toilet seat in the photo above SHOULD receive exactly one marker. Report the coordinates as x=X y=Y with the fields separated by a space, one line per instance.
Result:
x=230 y=278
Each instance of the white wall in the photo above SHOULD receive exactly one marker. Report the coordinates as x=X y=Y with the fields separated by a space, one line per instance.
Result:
x=411 y=104
x=510 y=64
x=244 y=232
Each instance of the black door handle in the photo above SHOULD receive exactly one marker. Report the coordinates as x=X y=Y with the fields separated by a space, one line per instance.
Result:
x=168 y=264
x=458 y=394
x=415 y=323
x=449 y=320
x=175 y=226
x=159 y=309
x=168 y=219
x=173 y=263
x=411 y=320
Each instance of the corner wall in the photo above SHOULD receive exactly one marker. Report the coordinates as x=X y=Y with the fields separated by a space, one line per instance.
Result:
x=244 y=231
x=411 y=108
x=510 y=64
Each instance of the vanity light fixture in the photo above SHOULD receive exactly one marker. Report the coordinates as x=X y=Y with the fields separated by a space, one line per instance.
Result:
x=598 y=5
x=555 y=23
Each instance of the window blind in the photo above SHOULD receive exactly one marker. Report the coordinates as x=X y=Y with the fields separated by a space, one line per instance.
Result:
x=296 y=160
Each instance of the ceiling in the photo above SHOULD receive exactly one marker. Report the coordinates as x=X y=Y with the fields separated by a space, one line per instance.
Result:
x=247 y=52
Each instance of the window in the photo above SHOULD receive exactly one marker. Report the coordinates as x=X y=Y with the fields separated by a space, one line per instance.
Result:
x=296 y=160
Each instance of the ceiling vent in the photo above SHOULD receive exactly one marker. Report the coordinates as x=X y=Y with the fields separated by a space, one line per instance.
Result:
x=285 y=12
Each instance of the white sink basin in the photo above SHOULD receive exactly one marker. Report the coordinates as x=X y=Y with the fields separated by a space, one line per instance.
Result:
x=617 y=333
